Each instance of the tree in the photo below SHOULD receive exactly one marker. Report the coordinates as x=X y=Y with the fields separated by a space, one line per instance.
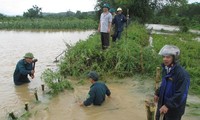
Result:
x=34 y=12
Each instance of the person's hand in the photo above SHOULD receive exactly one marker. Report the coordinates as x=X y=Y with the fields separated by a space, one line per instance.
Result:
x=32 y=72
x=108 y=30
x=81 y=104
x=32 y=76
x=156 y=98
x=163 y=109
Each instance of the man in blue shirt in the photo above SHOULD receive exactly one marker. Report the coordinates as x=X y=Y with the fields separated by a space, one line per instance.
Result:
x=118 y=21
x=98 y=91
x=173 y=91
x=24 y=68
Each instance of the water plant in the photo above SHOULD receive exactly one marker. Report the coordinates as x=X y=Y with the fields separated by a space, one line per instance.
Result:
x=55 y=82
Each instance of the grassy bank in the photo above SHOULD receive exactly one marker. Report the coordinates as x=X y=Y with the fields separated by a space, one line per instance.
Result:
x=124 y=58
x=50 y=23
x=130 y=55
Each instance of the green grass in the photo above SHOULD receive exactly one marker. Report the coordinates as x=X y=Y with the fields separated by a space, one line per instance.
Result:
x=124 y=58
x=131 y=55
x=42 y=23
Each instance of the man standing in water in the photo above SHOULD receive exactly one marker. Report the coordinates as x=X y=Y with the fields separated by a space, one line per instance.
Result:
x=118 y=21
x=172 y=94
x=24 y=68
x=98 y=91
x=105 y=26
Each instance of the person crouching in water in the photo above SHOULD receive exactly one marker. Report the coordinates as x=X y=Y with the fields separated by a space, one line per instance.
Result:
x=24 y=68
x=173 y=91
x=98 y=91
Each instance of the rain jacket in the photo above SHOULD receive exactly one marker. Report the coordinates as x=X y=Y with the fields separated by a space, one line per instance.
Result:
x=173 y=91
x=21 y=72
x=96 y=95
x=119 y=21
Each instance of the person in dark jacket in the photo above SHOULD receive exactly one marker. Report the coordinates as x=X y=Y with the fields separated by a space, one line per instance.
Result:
x=98 y=91
x=118 y=21
x=24 y=68
x=173 y=91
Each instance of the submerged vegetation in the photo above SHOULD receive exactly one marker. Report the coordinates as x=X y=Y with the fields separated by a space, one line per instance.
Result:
x=55 y=82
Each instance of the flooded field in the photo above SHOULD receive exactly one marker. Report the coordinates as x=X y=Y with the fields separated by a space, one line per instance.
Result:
x=13 y=45
x=127 y=95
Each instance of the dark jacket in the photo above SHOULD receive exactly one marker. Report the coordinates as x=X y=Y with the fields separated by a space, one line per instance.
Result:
x=173 y=91
x=21 y=72
x=96 y=95
x=119 y=21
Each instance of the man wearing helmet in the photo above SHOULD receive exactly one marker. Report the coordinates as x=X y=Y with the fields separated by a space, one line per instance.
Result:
x=98 y=91
x=172 y=94
x=118 y=21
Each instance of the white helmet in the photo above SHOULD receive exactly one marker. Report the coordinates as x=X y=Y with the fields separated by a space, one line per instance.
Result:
x=119 y=9
x=170 y=50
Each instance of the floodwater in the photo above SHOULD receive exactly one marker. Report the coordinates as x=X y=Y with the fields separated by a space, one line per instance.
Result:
x=159 y=27
x=45 y=46
x=127 y=97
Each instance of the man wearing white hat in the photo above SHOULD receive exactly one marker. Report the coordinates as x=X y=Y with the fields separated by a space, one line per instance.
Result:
x=118 y=21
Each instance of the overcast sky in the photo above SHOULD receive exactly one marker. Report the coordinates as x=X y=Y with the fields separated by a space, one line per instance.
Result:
x=17 y=7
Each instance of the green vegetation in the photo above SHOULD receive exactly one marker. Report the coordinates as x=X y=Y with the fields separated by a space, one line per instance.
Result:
x=131 y=56
x=55 y=82
x=125 y=58
x=47 y=23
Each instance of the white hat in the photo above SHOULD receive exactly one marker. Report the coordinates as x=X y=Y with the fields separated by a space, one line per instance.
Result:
x=119 y=9
x=169 y=50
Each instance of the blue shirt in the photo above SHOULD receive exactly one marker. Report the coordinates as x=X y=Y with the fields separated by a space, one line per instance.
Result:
x=119 y=21
x=21 y=71
x=96 y=95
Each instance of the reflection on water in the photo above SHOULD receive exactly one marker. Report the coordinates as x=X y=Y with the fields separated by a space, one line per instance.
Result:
x=45 y=46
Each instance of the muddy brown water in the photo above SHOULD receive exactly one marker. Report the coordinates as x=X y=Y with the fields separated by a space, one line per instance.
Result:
x=126 y=102
x=45 y=46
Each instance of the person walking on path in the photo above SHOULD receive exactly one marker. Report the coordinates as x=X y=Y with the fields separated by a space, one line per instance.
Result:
x=24 y=68
x=105 y=26
x=98 y=91
x=118 y=21
x=173 y=91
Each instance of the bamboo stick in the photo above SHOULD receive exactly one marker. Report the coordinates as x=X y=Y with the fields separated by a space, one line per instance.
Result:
x=36 y=96
x=158 y=78
x=26 y=106
x=42 y=87
x=12 y=116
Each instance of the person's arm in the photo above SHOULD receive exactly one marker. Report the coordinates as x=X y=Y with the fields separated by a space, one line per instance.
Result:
x=23 y=70
x=181 y=91
x=108 y=93
x=90 y=99
x=109 y=23
x=99 y=27
x=124 y=19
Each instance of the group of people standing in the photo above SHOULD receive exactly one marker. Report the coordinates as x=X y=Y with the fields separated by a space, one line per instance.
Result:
x=111 y=22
